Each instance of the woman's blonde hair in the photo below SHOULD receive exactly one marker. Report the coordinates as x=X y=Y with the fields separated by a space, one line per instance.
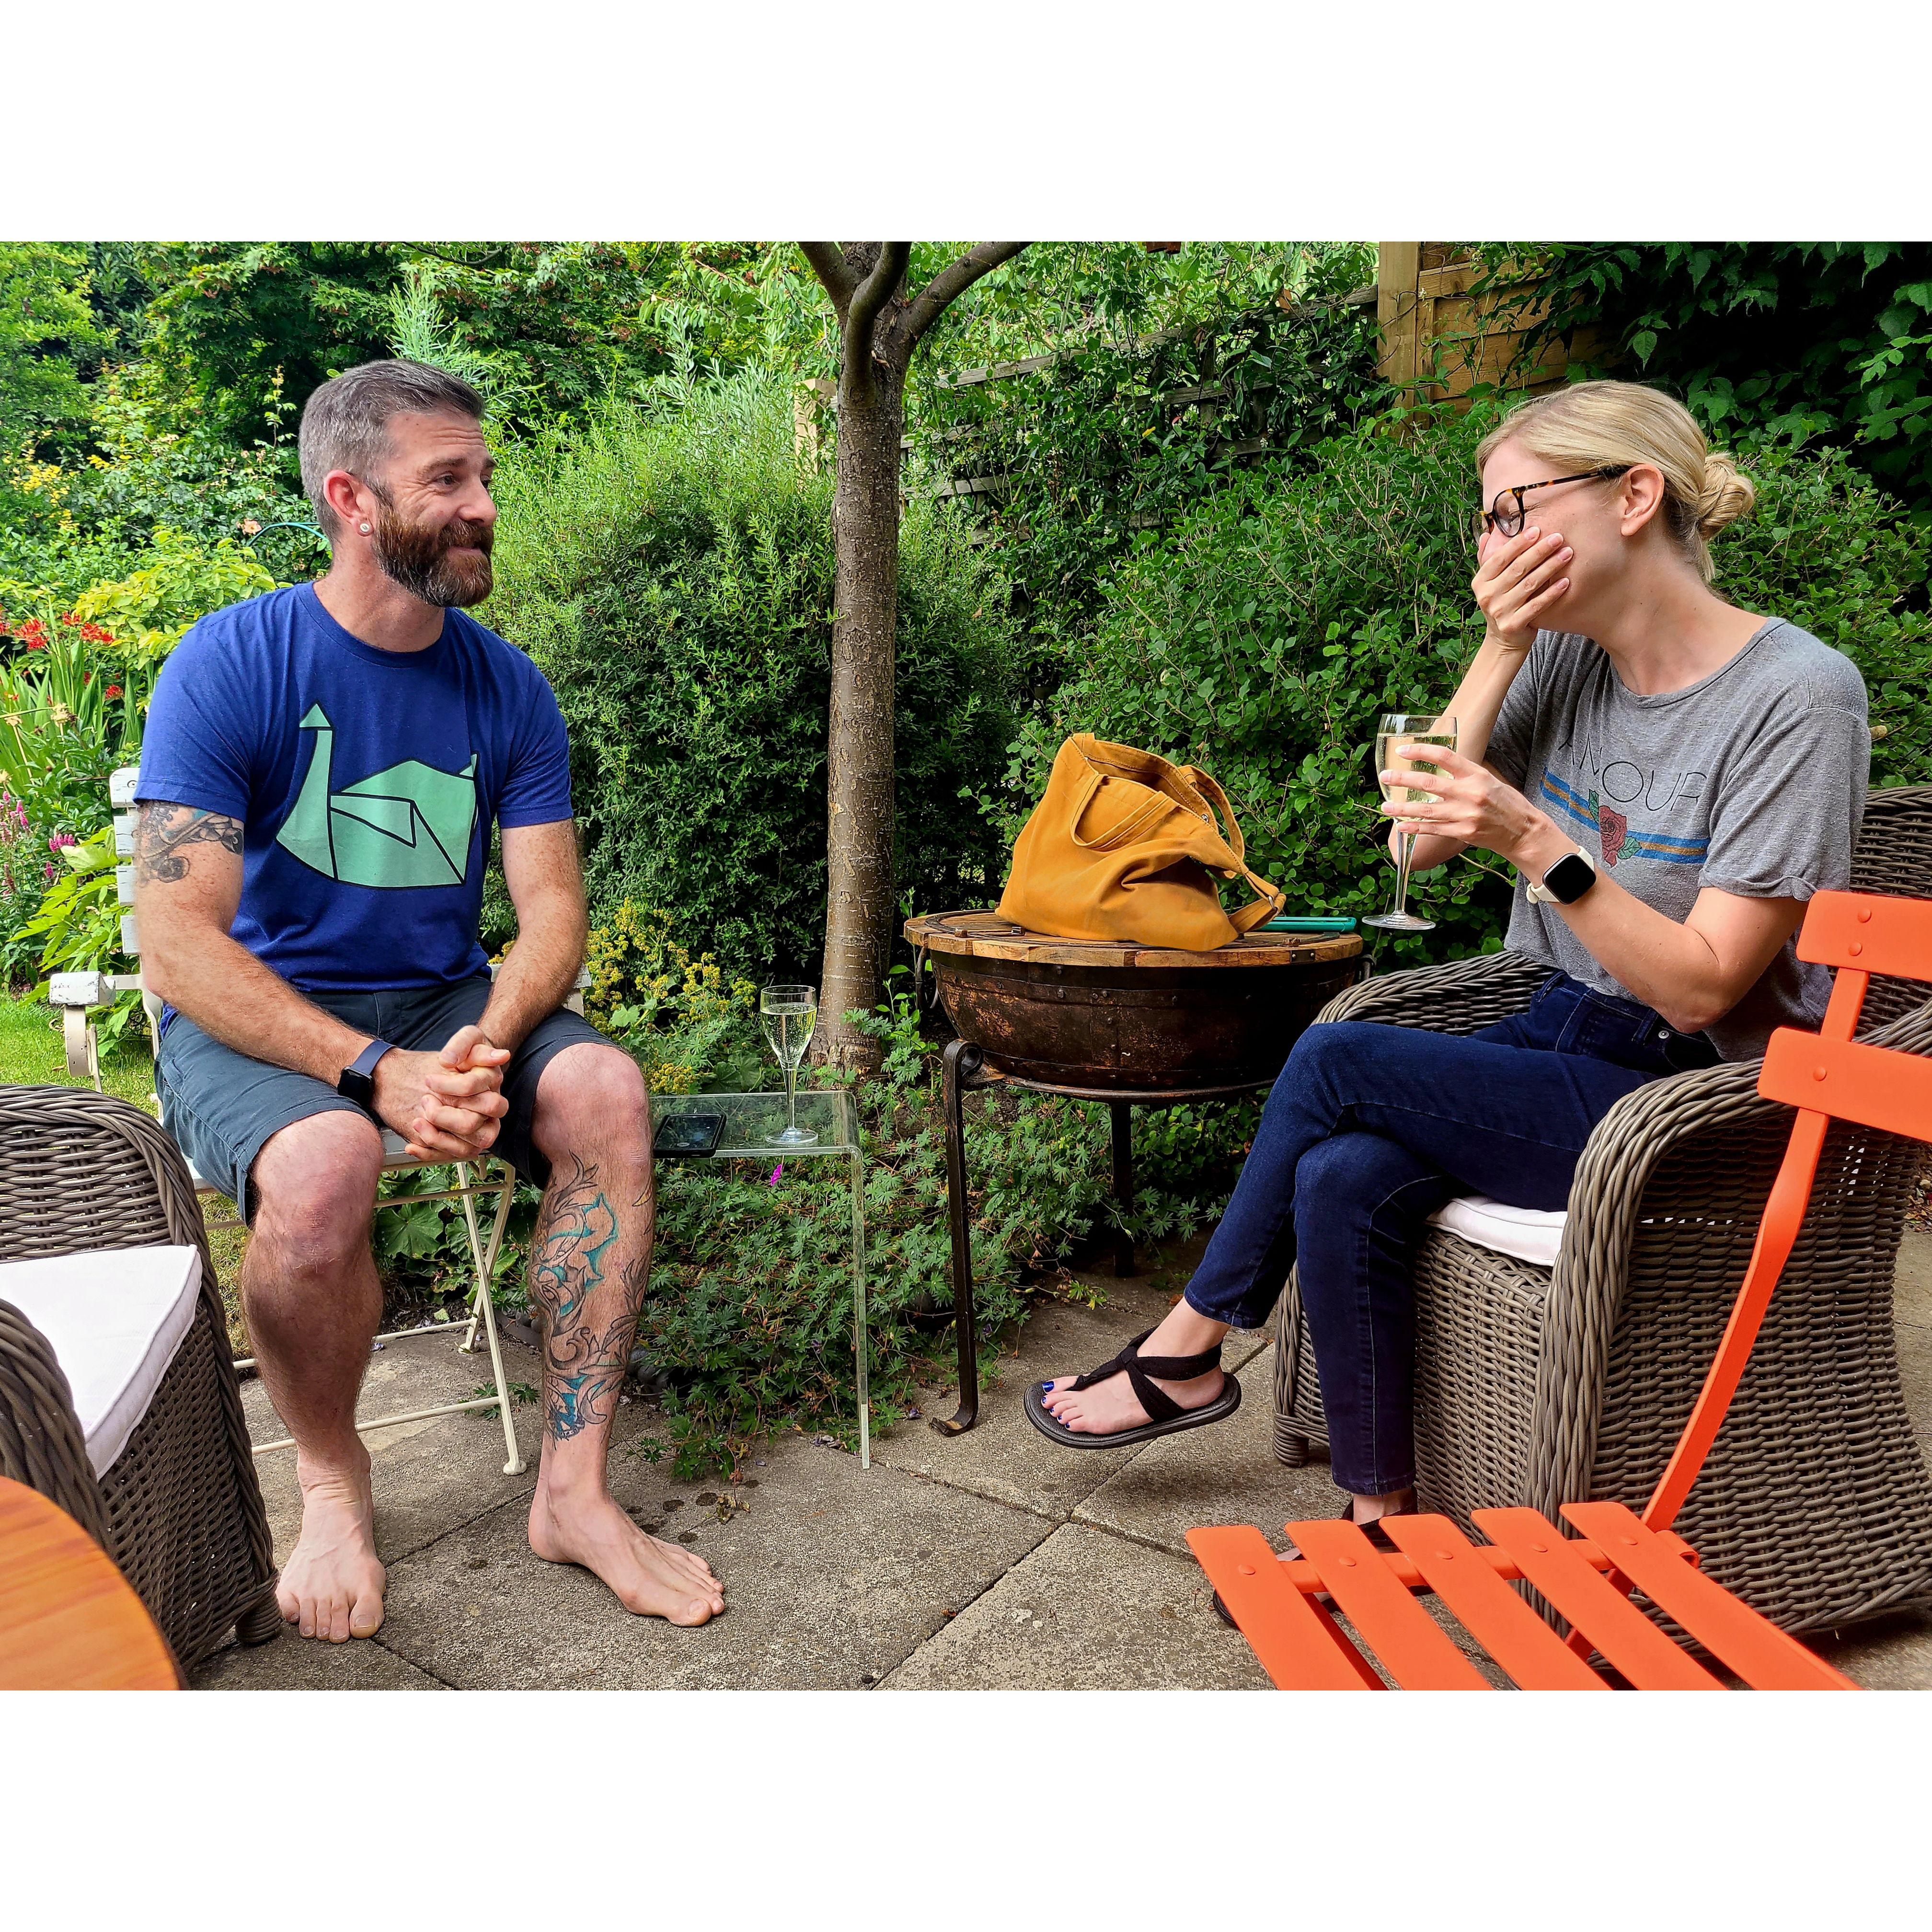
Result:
x=1594 y=425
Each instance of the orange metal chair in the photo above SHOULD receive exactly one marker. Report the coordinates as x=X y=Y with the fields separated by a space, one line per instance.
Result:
x=1589 y=1579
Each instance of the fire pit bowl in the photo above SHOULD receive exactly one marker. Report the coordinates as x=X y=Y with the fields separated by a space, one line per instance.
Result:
x=1102 y=1017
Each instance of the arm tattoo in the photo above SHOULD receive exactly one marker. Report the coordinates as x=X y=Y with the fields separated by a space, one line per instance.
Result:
x=586 y=1351
x=163 y=832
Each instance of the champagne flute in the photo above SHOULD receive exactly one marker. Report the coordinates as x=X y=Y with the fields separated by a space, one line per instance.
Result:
x=1396 y=735
x=790 y=1014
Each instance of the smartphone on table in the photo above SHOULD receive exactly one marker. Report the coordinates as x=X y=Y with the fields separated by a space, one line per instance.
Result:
x=687 y=1136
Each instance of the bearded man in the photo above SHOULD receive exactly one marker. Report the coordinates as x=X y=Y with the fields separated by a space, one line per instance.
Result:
x=320 y=772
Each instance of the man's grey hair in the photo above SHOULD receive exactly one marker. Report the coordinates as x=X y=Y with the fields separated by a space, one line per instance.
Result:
x=345 y=423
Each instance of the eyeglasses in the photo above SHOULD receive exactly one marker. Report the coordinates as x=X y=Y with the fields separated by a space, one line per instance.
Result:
x=1504 y=516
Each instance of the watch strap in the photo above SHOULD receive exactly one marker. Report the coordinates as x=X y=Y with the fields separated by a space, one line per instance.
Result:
x=364 y=1062
x=357 y=1082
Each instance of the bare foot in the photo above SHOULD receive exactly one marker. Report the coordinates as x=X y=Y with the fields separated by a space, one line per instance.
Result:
x=1110 y=1406
x=653 y=1578
x=331 y=1586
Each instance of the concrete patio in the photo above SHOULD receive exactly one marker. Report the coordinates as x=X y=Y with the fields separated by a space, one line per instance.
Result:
x=989 y=1561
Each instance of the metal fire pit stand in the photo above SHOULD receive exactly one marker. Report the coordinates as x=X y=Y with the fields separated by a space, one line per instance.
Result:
x=966 y=1071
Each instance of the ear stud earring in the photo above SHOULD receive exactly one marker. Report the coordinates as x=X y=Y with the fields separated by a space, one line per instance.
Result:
x=364 y=529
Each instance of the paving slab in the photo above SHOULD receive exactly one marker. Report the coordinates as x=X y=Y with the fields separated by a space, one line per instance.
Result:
x=833 y=1576
x=1003 y=1456
x=1226 y=1473
x=1895 y=1654
x=1915 y=1372
x=293 y=1663
x=428 y=1476
x=1912 y=1286
x=1086 y=1611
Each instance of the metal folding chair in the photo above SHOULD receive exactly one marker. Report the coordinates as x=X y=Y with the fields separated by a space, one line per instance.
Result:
x=1284 y=1610
x=79 y=995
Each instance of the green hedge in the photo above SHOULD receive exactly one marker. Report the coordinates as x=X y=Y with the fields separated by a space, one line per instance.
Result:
x=1261 y=637
x=672 y=572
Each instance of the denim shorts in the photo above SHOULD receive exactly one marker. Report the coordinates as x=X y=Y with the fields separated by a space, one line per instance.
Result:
x=220 y=1107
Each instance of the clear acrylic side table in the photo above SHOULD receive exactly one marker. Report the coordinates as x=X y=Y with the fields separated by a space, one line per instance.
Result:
x=751 y=1121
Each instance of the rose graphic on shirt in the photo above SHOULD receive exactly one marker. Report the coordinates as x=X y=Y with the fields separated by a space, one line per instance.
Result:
x=1611 y=826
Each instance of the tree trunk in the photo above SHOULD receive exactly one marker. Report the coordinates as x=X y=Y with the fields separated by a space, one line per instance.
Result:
x=859 y=767
x=879 y=327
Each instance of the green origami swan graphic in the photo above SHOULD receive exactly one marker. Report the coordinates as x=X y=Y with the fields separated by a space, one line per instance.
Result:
x=409 y=826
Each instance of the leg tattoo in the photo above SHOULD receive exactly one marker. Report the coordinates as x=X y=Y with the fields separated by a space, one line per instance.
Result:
x=586 y=1347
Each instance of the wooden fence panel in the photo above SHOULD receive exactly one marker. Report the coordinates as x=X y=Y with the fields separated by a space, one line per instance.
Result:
x=1438 y=340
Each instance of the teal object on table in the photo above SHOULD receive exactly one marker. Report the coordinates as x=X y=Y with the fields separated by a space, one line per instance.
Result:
x=1309 y=925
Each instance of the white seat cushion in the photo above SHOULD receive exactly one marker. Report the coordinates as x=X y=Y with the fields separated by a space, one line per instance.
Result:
x=115 y=1317
x=1529 y=1234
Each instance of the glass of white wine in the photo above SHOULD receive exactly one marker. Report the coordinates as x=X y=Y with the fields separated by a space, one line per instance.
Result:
x=790 y=1014
x=1396 y=735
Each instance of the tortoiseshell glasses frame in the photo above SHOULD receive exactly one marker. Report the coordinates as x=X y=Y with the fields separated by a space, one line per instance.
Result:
x=1507 y=522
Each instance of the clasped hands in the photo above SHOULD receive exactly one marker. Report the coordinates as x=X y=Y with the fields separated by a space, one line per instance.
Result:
x=447 y=1105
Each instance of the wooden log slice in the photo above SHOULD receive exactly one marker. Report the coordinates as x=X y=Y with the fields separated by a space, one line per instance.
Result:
x=985 y=935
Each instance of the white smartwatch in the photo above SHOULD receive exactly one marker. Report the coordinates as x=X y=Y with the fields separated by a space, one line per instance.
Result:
x=1567 y=880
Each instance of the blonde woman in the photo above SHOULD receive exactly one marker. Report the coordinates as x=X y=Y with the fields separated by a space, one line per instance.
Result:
x=1672 y=778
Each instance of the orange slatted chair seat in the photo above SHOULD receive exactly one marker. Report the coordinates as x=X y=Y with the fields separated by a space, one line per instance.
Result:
x=1293 y=1613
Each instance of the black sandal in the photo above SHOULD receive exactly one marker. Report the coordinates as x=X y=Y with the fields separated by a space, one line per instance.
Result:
x=1374 y=1532
x=1164 y=1415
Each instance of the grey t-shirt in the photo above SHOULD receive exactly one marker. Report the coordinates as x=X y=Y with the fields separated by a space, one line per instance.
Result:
x=1751 y=781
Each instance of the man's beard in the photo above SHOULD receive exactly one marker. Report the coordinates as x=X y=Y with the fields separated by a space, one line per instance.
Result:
x=422 y=559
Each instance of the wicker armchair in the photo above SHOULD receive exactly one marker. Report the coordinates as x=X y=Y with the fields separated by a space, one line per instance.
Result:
x=180 y=1510
x=1539 y=1386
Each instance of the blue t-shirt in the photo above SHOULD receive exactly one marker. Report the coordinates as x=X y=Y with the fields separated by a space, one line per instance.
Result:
x=365 y=781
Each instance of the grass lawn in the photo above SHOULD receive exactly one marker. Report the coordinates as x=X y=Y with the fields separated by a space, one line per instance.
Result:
x=32 y=1055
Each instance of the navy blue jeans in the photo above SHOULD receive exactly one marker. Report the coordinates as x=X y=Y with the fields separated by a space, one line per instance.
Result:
x=1368 y=1130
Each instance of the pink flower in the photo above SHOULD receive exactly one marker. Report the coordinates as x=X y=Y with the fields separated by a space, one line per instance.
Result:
x=61 y=838
x=776 y=1175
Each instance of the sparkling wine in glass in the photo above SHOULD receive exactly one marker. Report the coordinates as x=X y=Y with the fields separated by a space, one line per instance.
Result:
x=1397 y=736
x=790 y=1014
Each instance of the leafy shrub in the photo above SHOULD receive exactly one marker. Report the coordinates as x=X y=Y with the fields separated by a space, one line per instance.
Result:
x=1116 y=438
x=72 y=696
x=1830 y=551
x=1767 y=340
x=679 y=1017
x=26 y=870
x=161 y=466
x=60 y=731
x=672 y=575
x=178 y=581
x=1262 y=638
x=77 y=928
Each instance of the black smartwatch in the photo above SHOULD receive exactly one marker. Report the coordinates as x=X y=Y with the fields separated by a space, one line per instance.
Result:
x=1567 y=880
x=358 y=1079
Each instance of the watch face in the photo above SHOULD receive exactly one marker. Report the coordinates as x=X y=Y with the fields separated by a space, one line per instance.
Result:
x=1569 y=878
x=357 y=1086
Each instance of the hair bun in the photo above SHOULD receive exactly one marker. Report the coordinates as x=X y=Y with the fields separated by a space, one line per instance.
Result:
x=1725 y=497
